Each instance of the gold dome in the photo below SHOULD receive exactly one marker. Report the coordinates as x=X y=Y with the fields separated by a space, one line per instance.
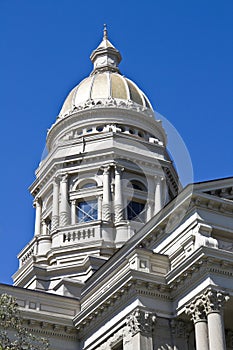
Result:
x=105 y=86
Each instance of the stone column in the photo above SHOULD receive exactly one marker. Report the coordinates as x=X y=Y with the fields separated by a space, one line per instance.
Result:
x=197 y=312
x=118 y=201
x=37 y=205
x=106 y=204
x=158 y=194
x=44 y=228
x=100 y=201
x=55 y=209
x=214 y=301
x=64 y=216
x=138 y=334
x=73 y=212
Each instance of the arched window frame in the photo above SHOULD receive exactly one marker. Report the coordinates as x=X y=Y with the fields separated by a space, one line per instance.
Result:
x=87 y=195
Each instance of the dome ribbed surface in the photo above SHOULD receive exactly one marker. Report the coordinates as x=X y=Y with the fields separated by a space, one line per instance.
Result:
x=101 y=87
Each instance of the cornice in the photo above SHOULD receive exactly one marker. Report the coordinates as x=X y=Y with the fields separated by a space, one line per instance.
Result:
x=135 y=286
x=87 y=161
x=48 y=329
x=202 y=263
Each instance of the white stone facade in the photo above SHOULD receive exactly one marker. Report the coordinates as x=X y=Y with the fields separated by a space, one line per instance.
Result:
x=122 y=257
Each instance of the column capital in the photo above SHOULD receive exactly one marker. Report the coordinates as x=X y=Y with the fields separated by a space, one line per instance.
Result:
x=118 y=168
x=210 y=300
x=140 y=321
x=56 y=179
x=64 y=177
x=196 y=310
x=159 y=178
x=37 y=202
x=214 y=300
x=105 y=169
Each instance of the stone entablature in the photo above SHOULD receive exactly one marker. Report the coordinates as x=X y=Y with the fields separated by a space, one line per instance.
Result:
x=50 y=313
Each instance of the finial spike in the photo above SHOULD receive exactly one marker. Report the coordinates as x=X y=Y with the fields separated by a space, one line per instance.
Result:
x=105 y=32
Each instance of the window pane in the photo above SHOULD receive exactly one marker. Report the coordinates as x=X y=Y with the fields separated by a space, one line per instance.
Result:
x=87 y=210
x=134 y=208
x=89 y=184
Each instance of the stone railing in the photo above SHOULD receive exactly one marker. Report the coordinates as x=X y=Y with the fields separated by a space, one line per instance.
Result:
x=76 y=233
x=79 y=234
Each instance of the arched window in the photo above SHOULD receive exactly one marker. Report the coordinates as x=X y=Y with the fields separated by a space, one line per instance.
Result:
x=137 y=185
x=85 y=201
x=87 y=184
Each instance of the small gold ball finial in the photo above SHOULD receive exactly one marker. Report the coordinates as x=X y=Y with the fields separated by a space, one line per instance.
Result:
x=105 y=32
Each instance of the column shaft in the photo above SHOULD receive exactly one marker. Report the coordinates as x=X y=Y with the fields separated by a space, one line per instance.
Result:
x=55 y=209
x=201 y=335
x=118 y=202
x=158 y=195
x=106 y=205
x=216 y=331
x=64 y=216
x=73 y=212
x=38 y=217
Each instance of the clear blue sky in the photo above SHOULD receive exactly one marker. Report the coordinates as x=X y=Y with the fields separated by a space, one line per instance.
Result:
x=179 y=52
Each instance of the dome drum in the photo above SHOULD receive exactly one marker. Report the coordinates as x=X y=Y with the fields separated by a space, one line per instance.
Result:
x=80 y=124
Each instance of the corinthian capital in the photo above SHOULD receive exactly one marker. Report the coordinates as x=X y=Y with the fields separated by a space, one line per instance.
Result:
x=214 y=300
x=140 y=321
x=196 y=310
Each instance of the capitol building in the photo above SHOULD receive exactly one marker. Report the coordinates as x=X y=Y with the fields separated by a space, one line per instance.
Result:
x=123 y=257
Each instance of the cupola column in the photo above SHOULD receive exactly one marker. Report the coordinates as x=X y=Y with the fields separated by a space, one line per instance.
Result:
x=64 y=216
x=158 y=194
x=118 y=203
x=37 y=205
x=73 y=212
x=106 y=205
x=55 y=209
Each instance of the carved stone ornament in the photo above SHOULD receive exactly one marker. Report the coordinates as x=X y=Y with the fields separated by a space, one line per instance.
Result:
x=140 y=321
x=196 y=310
x=214 y=300
x=210 y=301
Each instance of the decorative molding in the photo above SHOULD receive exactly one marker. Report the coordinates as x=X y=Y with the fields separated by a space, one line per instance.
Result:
x=51 y=329
x=113 y=340
x=105 y=103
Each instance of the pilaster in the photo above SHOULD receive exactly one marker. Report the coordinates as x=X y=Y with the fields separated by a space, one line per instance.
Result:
x=140 y=325
x=106 y=203
x=64 y=215
x=37 y=205
x=118 y=202
x=55 y=209
x=158 y=194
